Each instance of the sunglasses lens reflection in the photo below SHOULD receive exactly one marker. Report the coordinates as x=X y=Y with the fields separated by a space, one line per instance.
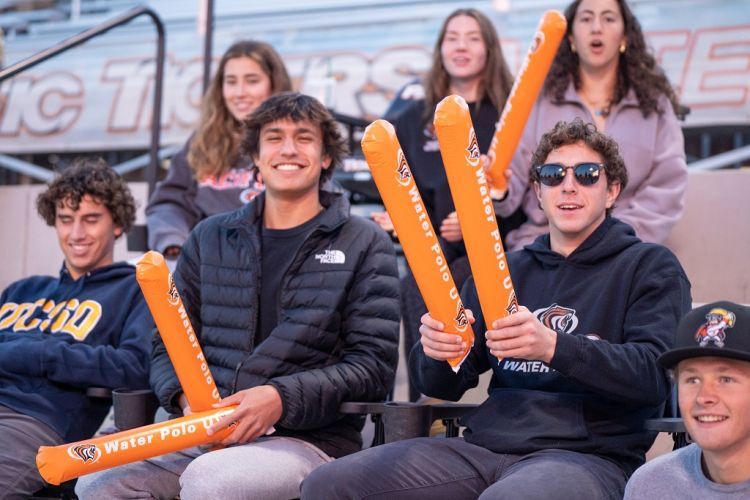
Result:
x=552 y=174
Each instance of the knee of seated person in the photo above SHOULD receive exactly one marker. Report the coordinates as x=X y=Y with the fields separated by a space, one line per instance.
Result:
x=199 y=479
x=92 y=486
x=328 y=480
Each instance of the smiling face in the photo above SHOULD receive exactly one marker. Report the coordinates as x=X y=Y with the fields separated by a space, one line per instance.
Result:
x=714 y=398
x=86 y=236
x=291 y=158
x=574 y=211
x=598 y=30
x=463 y=51
x=244 y=87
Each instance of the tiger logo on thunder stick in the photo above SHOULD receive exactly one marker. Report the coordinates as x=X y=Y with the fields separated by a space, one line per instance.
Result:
x=402 y=200
x=471 y=196
x=523 y=95
x=172 y=321
x=57 y=464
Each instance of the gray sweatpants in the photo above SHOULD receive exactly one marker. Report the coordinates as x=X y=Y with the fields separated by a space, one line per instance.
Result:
x=21 y=436
x=269 y=468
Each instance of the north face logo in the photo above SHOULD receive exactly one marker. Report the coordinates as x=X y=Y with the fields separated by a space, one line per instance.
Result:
x=331 y=257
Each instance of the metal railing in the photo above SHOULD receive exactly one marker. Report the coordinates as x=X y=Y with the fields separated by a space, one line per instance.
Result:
x=84 y=36
x=722 y=160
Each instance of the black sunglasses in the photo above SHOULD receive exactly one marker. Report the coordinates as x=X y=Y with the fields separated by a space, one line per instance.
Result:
x=586 y=173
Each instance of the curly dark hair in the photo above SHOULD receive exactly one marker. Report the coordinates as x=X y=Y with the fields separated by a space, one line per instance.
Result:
x=92 y=177
x=296 y=107
x=565 y=133
x=637 y=68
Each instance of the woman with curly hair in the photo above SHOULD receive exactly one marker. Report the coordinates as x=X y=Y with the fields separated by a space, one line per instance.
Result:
x=604 y=74
x=467 y=61
x=210 y=174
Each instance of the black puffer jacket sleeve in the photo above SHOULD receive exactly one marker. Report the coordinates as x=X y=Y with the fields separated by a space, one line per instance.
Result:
x=366 y=366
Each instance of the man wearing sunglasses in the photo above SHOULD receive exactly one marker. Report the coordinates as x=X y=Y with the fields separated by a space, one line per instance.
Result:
x=574 y=370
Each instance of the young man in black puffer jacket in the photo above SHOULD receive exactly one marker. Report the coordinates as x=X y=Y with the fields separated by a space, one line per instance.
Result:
x=296 y=305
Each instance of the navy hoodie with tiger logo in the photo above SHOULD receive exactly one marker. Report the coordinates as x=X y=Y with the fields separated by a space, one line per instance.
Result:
x=615 y=303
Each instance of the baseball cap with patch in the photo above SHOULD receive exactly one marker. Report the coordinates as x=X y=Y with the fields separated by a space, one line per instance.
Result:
x=720 y=329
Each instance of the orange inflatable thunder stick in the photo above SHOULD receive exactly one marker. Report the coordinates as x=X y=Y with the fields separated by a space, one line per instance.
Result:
x=476 y=214
x=421 y=247
x=522 y=96
x=176 y=331
x=62 y=463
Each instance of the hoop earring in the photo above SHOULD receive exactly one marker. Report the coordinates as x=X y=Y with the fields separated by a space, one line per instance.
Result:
x=623 y=47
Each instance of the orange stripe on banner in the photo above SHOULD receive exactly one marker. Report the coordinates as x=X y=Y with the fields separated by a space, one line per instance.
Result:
x=404 y=204
x=523 y=95
x=471 y=196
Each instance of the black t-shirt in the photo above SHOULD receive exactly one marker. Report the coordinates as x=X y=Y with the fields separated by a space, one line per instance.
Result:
x=279 y=247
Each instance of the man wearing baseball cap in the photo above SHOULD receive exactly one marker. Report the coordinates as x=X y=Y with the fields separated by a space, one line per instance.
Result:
x=711 y=367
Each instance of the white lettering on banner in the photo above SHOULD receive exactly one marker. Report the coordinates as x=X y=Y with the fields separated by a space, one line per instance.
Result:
x=46 y=105
x=724 y=80
x=68 y=109
x=131 y=79
x=669 y=50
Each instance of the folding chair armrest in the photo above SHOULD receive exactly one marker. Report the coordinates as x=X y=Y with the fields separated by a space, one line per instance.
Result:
x=99 y=392
x=362 y=408
x=397 y=420
x=672 y=425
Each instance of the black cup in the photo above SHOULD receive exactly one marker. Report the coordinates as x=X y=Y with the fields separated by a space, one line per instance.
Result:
x=404 y=420
x=134 y=408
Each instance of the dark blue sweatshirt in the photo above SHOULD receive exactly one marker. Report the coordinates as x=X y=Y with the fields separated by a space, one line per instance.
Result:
x=615 y=303
x=59 y=336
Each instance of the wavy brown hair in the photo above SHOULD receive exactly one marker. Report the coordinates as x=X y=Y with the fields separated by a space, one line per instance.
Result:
x=88 y=177
x=637 y=68
x=296 y=107
x=576 y=131
x=496 y=79
x=215 y=147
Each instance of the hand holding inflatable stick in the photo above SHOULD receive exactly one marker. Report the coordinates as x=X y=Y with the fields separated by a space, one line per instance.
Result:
x=522 y=96
x=412 y=223
x=471 y=195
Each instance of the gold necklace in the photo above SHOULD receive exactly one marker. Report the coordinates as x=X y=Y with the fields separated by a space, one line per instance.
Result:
x=602 y=111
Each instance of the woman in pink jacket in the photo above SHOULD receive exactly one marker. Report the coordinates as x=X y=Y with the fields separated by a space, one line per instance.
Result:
x=604 y=74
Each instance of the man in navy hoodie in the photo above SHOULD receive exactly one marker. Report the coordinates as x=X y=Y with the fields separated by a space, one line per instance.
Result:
x=574 y=372
x=60 y=335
